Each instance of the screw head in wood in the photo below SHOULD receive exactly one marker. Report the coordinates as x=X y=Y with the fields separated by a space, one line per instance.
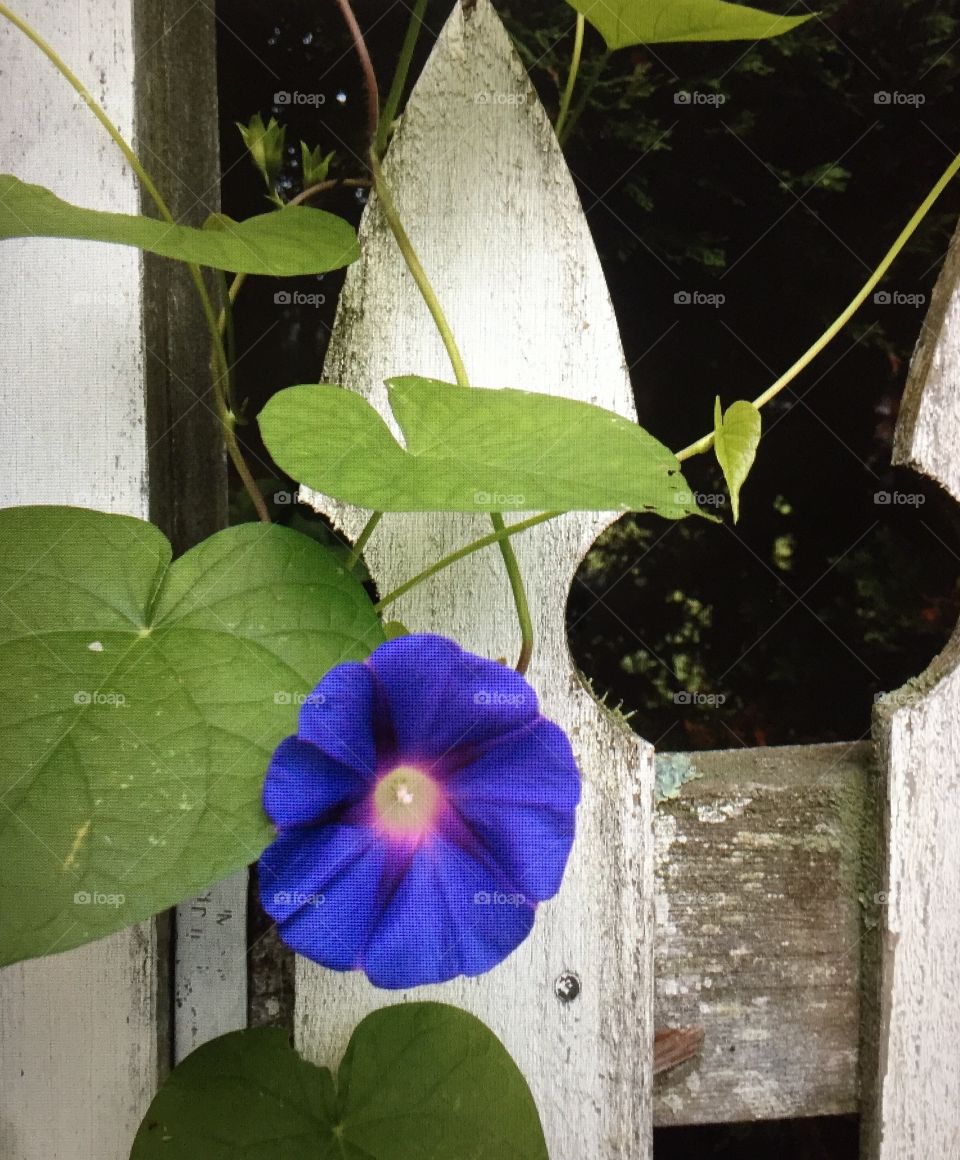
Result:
x=567 y=987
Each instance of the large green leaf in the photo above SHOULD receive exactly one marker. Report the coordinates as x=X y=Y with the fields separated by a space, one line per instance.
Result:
x=295 y=240
x=471 y=450
x=622 y=23
x=419 y=1081
x=736 y=436
x=139 y=704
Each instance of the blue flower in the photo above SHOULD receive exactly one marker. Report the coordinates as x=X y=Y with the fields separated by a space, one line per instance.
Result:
x=423 y=809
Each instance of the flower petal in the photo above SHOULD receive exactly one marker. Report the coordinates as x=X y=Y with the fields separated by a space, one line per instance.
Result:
x=519 y=800
x=444 y=920
x=441 y=698
x=337 y=717
x=302 y=862
x=534 y=767
x=493 y=919
x=529 y=844
x=343 y=896
x=302 y=784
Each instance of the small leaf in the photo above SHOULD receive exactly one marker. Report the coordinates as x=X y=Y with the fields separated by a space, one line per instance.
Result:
x=315 y=165
x=471 y=450
x=140 y=702
x=419 y=1080
x=395 y=628
x=296 y=240
x=622 y=23
x=736 y=438
x=265 y=145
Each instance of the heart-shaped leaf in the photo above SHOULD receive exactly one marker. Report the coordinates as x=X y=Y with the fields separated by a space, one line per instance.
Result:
x=139 y=704
x=736 y=437
x=471 y=450
x=419 y=1081
x=295 y=240
x=622 y=23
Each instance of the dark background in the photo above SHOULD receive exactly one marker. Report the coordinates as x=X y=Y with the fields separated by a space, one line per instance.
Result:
x=782 y=198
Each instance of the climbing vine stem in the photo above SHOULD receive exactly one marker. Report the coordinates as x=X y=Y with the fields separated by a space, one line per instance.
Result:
x=369 y=73
x=499 y=536
x=404 y=61
x=593 y=74
x=834 y=329
x=572 y=78
x=368 y=529
x=425 y=287
x=219 y=365
x=415 y=267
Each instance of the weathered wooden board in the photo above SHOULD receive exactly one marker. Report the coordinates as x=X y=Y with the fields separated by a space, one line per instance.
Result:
x=177 y=134
x=763 y=888
x=912 y=1053
x=490 y=205
x=78 y=1032
x=210 y=965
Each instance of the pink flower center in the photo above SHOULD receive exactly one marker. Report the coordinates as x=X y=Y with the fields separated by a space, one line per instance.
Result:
x=406 y=802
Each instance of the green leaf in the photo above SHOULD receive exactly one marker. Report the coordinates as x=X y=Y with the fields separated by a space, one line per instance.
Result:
x=140 y=702
x=419 y=1081
x=622 y=23
x=471 y=450
x=316 y=165
x=265 y=145
x=393 y=629
x=295 y=240
x=736 y=437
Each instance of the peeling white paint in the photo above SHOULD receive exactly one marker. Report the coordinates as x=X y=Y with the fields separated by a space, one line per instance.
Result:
x=715 y=813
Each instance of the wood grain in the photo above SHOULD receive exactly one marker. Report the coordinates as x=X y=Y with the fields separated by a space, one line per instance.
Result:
x=177 y=133
x=78 y=1032
x=912 y=1057
x=490 y=205
x=764 y=888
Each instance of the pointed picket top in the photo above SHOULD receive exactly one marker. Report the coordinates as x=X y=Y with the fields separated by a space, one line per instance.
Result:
x=928 y=430
x=911 y=1066
x=490 y=205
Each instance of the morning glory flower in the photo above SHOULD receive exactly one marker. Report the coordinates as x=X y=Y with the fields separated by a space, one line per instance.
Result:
x=423 y=809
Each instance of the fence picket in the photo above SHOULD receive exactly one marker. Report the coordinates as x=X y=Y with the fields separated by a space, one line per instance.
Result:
x=911 y=1059
x=78 y=1031
x=490 y=205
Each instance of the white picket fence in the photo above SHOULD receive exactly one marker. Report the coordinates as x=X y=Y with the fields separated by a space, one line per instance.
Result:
x=847 y=1016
